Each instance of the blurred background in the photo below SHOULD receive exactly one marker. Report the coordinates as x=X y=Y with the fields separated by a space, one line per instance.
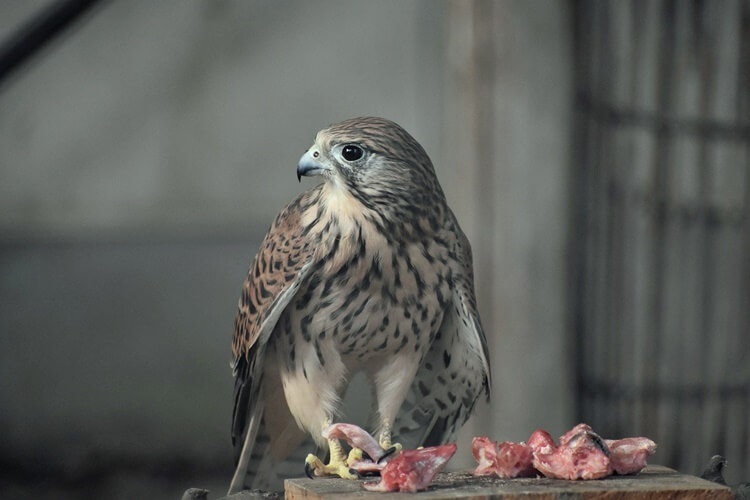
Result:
x=596 y=153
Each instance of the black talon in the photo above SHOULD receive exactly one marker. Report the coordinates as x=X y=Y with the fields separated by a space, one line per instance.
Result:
x=367 y=456
x=388 y=452
x=356 y=473
x=309 y=471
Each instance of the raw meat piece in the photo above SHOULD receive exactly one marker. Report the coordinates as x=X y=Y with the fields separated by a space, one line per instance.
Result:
x=366 y=466
x=506 y=460
x=581 y=455
x=485 y=453
x=541 y=442
x=413 y=470
x=514 y=460
x=629 y=455
x=574 y=432
x=357 y=437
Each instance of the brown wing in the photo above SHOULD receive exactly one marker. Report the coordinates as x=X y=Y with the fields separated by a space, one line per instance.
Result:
x=277 y=267
x=280 y=266
x=471 y=332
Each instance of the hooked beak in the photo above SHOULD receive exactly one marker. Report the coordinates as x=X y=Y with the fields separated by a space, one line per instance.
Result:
x=309 y=165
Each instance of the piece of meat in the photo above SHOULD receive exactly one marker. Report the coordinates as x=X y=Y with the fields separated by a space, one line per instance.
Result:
x=365 y=466
x=629 y=455
x=575 y=431
x=581 y=455
x=485 y=453
x=413 y=470
x=514 y=460
x=541 y=442
x=356 y=437
x=505 y=460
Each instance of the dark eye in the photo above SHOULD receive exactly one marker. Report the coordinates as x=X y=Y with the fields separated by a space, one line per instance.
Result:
x=352 y=152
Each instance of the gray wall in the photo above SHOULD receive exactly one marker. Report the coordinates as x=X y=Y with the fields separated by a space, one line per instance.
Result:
x=508 y=89
x=663 y=233
x=189 y=115
x=142 y=157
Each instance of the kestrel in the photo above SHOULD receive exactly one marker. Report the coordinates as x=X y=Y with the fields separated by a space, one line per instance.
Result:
x=368 y=271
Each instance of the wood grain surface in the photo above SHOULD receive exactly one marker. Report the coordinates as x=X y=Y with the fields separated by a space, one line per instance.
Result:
x=654 y=482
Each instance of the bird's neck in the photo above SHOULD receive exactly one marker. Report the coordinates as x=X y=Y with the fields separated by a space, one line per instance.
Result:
x=336 y=207
x=340 y=203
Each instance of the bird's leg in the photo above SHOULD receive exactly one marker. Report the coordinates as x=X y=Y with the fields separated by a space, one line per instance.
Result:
x=392 y=382
x=337 y=464
x=384 y=439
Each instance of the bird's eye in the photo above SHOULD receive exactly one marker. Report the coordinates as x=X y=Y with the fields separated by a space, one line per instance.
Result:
x=352 y=152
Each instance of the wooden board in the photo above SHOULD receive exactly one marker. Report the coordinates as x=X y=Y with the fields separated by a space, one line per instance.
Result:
x=652 y=483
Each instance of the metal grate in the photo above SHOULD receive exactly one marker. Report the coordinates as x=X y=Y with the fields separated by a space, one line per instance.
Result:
x=661 y=225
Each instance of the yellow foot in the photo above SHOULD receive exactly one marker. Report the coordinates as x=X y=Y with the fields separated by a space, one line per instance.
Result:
x=315 y=467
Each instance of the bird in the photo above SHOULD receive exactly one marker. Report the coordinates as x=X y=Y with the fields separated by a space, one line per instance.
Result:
x=714 y=470
x=368 y=271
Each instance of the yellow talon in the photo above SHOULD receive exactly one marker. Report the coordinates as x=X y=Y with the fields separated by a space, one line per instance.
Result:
x=336 y=467
x=390 y=452
x=386 y=445
x=355 y=455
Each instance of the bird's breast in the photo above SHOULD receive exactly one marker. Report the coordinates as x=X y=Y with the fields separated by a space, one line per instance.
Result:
x=367 y=297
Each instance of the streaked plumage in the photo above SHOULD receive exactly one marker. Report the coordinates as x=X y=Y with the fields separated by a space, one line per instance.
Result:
x=367 y=271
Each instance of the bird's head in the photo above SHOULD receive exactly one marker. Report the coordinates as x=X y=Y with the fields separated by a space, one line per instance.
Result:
x=379 y=164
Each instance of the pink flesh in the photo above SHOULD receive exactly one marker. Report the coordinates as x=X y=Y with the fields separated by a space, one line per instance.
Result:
x=582 y=454
x=581 y=462
x=356 y=437
x=541 y=442
x=485 y=452
x=505 y=460
x=567 y=463
x=629 y=455
x=381 y=486
x=364 y=466
x=514 y=460
x=565 y=438
x=413 y=470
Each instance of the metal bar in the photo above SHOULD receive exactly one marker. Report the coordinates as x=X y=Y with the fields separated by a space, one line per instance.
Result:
x=662 y=123
x=579 y=190
x=20 y=46
x=683 y=392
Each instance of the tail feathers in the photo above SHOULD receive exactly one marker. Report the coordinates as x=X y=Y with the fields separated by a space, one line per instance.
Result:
x=263 y=472
x=418 y=426
x=242 y=392
x=248 y=445
x=270 y=474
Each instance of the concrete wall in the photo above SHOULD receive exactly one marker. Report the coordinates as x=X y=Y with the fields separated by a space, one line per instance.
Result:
x=182 y=114
x=142 y=157
x=508 y=88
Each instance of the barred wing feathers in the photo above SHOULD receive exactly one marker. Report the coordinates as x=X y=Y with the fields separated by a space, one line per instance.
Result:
x=283 y=261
